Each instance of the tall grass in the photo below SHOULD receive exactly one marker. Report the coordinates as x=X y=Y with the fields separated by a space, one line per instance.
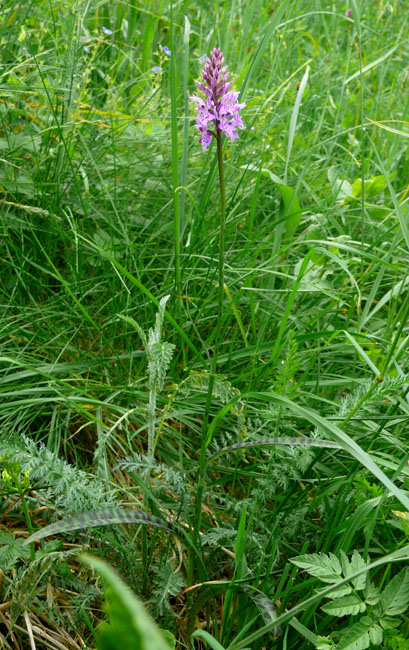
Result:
x=108 y=204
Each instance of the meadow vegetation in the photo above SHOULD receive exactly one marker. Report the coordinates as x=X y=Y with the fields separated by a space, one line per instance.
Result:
x=236 y=452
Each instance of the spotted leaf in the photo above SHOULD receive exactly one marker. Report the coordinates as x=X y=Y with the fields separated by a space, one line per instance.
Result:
x=105 y=517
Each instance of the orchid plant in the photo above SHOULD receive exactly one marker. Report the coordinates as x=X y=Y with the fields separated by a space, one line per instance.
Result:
x=217 y=113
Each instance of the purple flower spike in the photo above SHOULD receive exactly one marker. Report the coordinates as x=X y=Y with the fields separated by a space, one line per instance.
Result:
x=107 y=31
x=348 y=13
x=219 y=110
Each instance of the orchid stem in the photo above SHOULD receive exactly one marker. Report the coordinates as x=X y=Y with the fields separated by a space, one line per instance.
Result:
x=213 y=365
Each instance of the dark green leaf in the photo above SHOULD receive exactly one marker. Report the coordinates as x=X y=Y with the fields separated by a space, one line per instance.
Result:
x=105 y=517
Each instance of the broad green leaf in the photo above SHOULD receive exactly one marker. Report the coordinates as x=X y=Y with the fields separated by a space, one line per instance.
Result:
x=290 y=208
x=373 y=186
x=361 y=635
x=345 y=606
x=395 y=597
x=105 y=517
x=130 y=624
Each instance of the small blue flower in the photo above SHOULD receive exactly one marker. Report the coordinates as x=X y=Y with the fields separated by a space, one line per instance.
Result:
x=157 y=69
x=167 y=50
x=107 y=31
x=87 y=50
x=202 y=58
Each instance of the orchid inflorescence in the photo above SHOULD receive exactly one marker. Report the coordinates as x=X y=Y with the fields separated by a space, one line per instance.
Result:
x=219 y=112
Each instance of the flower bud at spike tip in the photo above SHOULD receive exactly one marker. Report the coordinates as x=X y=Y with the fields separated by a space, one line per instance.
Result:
x=219 y=110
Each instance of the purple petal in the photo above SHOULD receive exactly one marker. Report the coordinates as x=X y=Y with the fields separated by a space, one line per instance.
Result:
x=205 y=140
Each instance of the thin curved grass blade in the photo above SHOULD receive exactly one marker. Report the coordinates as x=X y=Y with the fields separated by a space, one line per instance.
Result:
x=269 y=442
x=105 y=517
x=347 y=443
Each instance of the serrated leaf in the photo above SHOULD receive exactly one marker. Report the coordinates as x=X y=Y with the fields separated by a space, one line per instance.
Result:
x=323 y=643
x=358 y=637
x=105 y=517
x=371 y=594
x=130 y=624
x=357 y=563
x=376 y=634
x=160 y=355
x=12 y=550
x=389 y=623
x=325 y=567
x=345 y=606
x=395 y=597
x=344 y=590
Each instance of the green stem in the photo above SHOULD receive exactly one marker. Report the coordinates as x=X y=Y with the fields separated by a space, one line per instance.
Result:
x=221 y=246
x=28 y=520
x=175 y=175
x=213 y=365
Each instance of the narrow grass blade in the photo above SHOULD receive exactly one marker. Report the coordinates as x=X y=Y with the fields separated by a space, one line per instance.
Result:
x=293 y=121
x=371 y=65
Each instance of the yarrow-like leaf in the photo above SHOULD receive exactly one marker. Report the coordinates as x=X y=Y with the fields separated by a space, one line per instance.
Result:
x=219 y=110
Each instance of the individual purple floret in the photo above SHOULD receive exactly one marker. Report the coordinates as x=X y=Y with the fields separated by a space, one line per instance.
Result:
x=219 y=110
x=348 y=13
x=106 y=30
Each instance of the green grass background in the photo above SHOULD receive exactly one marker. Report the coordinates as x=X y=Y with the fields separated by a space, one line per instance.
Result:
x=107 y=204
